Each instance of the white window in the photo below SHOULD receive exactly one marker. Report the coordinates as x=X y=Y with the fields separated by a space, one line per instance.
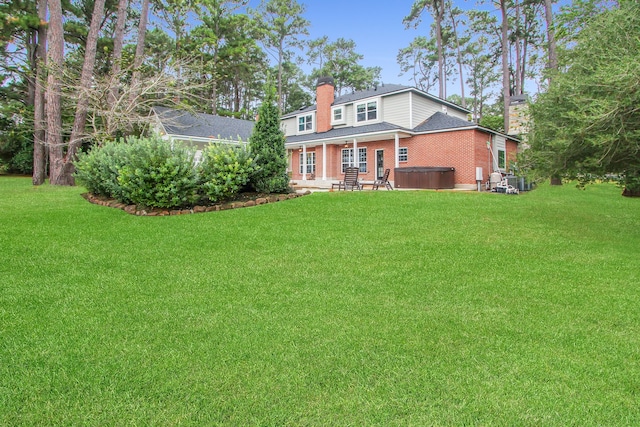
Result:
x=311 y=162
x=349 y=160
x=502 y=163
x=367 y=111
x=362 y=159
x=403 y=154
x=305 y=123
x=500 y=151
x=337 y=115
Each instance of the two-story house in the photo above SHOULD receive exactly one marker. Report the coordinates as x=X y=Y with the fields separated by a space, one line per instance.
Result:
x=389 y=127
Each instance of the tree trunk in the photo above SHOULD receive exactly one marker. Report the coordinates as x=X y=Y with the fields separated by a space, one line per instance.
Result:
x=65 y=176
x=118 y=40
x=551 y=38
x=137 y=62
x=39 y=152
x=630 y=193
x=439 y=6
x=459 y=56
x=55 y=58
x=523 y=69
x=280 y=56
x=32 y=61
x=518 y=46
x=505 y=64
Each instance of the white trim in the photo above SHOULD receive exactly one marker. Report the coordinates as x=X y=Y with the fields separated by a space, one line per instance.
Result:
x=407 y=159
x=311 y=114
x=355 y=153
x=324 y=161
x=411 y=110
x=343 y=120
x=186 y=138
x=396 y=148
x=341 y=139
x=367 y=121
x=396 y=133
x=304 y=166
x=375 y=162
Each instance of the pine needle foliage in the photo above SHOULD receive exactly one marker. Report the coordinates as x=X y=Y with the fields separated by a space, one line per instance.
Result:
x=266 y=145
x=587 y=126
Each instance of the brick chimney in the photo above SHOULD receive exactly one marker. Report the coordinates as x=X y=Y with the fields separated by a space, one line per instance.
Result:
x=325 y=93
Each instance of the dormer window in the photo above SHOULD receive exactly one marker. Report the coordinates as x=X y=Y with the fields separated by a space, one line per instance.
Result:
x=367 y=111
x=305 y=123
x=337 y=115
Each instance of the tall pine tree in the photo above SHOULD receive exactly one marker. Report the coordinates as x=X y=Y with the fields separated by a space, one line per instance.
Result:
x=267 y=147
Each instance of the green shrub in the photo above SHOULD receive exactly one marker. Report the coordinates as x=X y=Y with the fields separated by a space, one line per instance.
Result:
x=98 y=169
x=224 y=171
x=16 y=141
x=267 y=146
x=158 y=174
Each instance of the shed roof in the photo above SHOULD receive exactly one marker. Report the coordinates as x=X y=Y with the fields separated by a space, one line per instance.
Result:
x=346 y=132
x=441 y=121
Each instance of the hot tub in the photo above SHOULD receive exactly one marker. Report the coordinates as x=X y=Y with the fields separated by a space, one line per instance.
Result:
x=434 y=178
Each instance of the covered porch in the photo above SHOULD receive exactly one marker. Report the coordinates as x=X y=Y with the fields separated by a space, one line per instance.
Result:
x=319 y=162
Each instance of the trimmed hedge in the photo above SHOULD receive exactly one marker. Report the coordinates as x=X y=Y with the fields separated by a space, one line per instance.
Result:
x=225 y=170
x=154 y=173
x=143 y=171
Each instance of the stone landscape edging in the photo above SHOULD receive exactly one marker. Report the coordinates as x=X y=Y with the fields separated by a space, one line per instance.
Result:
x=143 y=211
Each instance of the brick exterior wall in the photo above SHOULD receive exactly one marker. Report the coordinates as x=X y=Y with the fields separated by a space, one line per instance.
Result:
x=463 y=150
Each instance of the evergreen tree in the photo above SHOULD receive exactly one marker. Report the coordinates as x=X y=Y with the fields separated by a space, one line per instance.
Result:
x=267 y=147
x=587 y=126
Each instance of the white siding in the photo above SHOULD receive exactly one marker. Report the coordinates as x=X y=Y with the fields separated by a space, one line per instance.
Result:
x=395 y=109
x=456 y=113
x=499 y=144
x=289 y=126
x=349 y=114
x=423 y=108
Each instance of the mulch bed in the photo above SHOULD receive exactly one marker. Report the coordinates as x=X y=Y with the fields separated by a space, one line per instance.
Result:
x=244 y=200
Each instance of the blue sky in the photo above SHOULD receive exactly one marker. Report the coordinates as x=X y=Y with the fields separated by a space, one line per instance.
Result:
x=375 y=26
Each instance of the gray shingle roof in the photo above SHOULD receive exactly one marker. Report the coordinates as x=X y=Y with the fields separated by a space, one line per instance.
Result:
x=441 y=121
x=345 y=132
x=200 y=125
x=363 y=94
x=370 y=93
x=351 y=97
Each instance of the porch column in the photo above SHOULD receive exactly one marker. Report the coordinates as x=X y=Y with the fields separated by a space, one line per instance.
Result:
x=355 y=153
x=324 y=161
x=304 y=162
x=397 y=149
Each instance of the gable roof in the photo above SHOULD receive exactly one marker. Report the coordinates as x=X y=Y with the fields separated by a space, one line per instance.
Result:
x=381 y=90
x=201 y=125
x=369 y=93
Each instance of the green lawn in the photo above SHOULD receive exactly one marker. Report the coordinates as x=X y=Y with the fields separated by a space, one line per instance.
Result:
x=363 y=308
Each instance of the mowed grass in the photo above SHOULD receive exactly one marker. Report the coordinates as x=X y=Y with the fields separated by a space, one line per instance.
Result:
x=363 y=308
